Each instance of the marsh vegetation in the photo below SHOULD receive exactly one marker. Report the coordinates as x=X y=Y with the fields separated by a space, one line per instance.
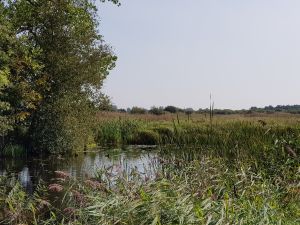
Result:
x=165 y=165
x=231 y=170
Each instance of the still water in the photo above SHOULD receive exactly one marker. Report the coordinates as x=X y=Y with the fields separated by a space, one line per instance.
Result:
x=29 y=171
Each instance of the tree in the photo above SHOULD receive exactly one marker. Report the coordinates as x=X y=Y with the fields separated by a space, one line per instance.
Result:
x=105 y=103
x=61 y=53
x=171 y=109
x=156 y=110
x=4 y=73
x=18 y=75
x=63 y=126
x=138 y=110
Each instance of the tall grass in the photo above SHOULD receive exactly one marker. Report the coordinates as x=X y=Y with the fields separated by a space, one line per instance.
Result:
x=234 y=139
x=203 y=191
x=210 y=172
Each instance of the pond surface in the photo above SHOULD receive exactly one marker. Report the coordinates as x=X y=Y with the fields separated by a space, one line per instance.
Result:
x=29 y=171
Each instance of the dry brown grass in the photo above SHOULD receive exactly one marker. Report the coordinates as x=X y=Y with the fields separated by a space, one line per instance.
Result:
x=269 y=118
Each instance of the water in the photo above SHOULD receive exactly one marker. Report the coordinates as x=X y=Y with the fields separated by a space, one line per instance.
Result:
x=29 y=171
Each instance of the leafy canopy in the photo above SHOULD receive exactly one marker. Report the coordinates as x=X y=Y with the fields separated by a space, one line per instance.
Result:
x=51 y=55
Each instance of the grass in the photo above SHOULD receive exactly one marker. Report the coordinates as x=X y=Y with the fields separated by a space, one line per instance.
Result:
x=233 y=138
x=220 y=170
x=202 y=191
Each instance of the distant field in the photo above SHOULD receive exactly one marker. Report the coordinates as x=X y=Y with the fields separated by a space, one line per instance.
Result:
x=273 y=118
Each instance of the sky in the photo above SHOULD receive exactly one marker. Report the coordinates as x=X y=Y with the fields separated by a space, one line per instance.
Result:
x=174 y=52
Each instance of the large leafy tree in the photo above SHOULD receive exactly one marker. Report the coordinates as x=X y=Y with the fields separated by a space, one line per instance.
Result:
x=64 y=56
x=4 y=72
x=19 y=76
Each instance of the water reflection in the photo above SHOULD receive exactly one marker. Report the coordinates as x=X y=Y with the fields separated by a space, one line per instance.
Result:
x=30 y=171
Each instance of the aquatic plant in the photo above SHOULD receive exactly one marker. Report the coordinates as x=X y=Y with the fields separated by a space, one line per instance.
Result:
x=203 y=191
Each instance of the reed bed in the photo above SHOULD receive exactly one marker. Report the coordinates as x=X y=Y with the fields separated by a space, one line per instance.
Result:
x=237 y=139
x=203 y=191
x=208 y=171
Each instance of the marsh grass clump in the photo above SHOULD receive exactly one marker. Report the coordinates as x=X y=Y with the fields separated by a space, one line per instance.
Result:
x=108 y=133
x=19 y=207
x=126 y=132
x=117 y=132
x=145 y=137
x=166 y=134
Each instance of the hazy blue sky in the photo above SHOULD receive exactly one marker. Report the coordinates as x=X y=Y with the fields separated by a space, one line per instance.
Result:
x=174 y=52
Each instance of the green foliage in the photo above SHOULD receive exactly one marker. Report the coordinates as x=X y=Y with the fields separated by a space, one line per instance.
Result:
x=238 y=172
x=117 y=132
x=13 y=151
x=18 y=207
x=63 y=126
x=51 y=57
x=236 y=140
x=5 y=123
x=171 y=109
x=128 y=129
x=104 y=103
x=20 y=69
x=166 y=134
x=108 y=133
x=138 y=110
x=157 y=110
x=145 y=137
x=204 y=191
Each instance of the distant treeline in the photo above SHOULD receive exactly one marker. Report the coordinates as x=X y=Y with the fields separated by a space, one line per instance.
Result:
x=294 y=109
x=279 y=108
